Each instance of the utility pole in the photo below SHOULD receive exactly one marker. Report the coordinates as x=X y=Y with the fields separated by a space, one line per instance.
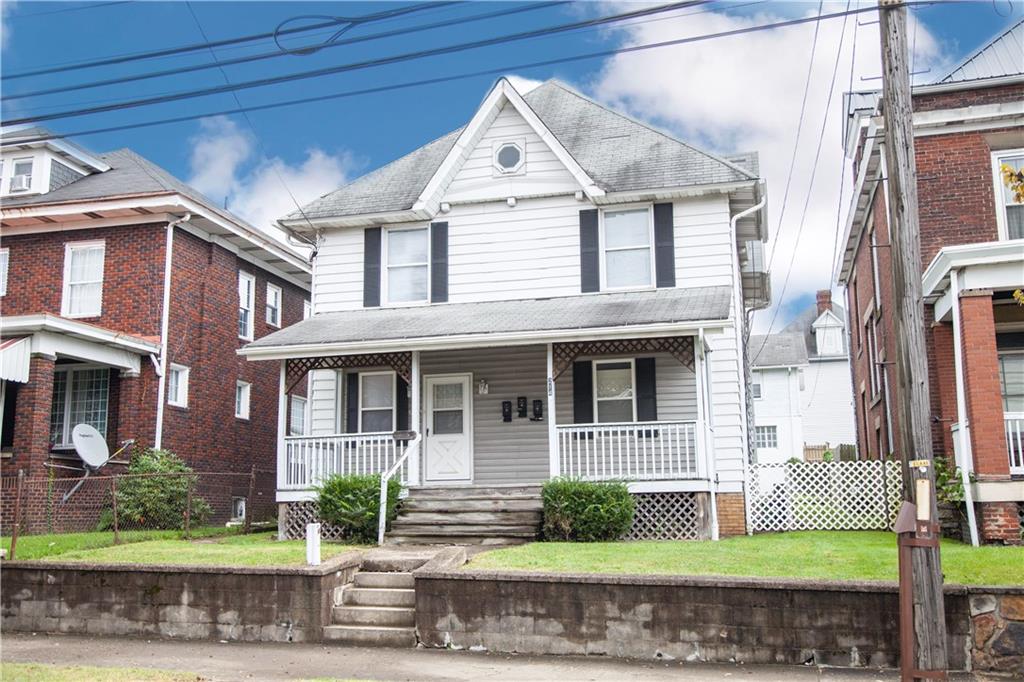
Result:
x=912 y=394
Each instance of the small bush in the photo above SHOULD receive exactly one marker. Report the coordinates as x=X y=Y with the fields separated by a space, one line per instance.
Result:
x=586 y=511
x=353 y=502
x=156 y=502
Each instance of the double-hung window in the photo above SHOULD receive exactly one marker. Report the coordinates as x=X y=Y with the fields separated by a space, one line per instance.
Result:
x=242 y=391
x=5 y=264
x=614 y=392
x=273 y=305
x=297 y=416
x=376 y=402
x=407 y=252
x=83 y=279
x=755 y=385
x=1009 y=204
x=766 y=437
x=177 y=385
x=246 y=295
x=1011 y=380
x=80 y=396
x=627 y=256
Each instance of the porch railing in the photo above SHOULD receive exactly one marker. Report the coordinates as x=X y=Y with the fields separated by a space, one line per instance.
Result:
x=1014 y=424
x=308 y=460
x=643 y=451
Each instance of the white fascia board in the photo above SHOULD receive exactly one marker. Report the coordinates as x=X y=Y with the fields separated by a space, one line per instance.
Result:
x=56 y=344
x=821 y=321
x=51 y=334
x=854 y=219
x=464 y=341
x=92 y=223
x=358 y=220
x=936 y=276
x=653 y=194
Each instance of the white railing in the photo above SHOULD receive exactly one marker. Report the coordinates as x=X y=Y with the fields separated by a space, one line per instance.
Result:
x=411 y=452
x=1014 y=423
x=308 y=460
x=643 y=451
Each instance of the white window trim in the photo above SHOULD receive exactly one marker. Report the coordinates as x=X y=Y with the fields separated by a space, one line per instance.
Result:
x=31 y=174
x=999 y=354
x=182 y=399
x=497 y=146
x=243 y=275
x=305 y=414
x=5 y=257
x=65 y=300
x=757 y=379
x=248 y=400
x=280 y=305
x=65 y=442
x=603 y=265
x=1003 y=230
x=307 y=309
x=593 y=381
x=384 y=267
x=394 y=399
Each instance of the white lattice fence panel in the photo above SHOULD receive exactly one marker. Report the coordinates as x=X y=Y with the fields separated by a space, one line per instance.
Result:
x=301 y=513
x=861 y=495
x=669 y=516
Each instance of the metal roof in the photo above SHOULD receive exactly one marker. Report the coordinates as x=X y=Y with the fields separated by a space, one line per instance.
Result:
x=1001 y=56
x=497 y=318
x=620 y=153
x=784 y=349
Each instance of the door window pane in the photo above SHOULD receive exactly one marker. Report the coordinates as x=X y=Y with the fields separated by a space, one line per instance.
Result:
x=447 y=421
x=447 y=396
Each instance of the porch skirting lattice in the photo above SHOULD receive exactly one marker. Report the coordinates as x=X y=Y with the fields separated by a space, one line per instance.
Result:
x=297 y=515
x=670 y=516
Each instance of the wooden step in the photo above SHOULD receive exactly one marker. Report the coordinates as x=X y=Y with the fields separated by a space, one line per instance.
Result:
x=473 y=492
x=364 y=635
x=378 y=596
x=387 y=616
x=472 y=505
x=475 y=540
x=403 y=581
x=525 y=531
x=492 y=518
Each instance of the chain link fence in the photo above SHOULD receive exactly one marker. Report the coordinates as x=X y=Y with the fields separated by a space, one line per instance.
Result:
x=131 y=507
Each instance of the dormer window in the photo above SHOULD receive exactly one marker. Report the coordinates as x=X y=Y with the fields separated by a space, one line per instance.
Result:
x=21 y=175
x=509 y=157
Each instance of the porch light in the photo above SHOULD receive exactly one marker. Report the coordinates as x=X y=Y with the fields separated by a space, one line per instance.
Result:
x=482 y=387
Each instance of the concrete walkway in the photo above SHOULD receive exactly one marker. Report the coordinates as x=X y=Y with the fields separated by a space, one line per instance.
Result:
x=269 y=661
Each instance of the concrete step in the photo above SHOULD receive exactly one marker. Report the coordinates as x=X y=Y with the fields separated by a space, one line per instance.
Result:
x=482 y=540
x=392 y=560
x=402 y=581
x=523 y=531
x=462 y=504
x=490 y=518
x=377 y=596
x=386 y=616
x=473 y=493
x=360 y=635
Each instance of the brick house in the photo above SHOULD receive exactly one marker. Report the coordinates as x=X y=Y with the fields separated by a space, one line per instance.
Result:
x=968 y=125
x=124 y=296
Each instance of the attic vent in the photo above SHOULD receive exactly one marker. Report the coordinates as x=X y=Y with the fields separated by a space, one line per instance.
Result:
x=509 y=157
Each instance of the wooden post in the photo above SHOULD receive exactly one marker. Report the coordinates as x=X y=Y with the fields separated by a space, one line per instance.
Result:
x=911 y=361
x=188 y=507
x=250 y=499
x=113 y=498
x=17 y=512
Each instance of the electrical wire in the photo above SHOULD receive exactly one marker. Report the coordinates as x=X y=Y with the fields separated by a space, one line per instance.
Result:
x=78 y=8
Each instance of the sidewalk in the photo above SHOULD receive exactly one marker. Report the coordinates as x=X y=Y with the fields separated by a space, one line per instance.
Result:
x=271 y=661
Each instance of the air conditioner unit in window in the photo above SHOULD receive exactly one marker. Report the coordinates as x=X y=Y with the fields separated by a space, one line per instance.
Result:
x=21 y=183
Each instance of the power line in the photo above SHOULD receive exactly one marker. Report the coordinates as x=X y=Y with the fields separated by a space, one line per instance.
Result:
x=273 y=54
x=462 y=76
x=394 y=59
x=79 y=8
x=196 y=47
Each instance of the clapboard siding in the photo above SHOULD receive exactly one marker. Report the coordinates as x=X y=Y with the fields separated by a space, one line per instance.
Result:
x=703 y=252
x=503 y=452
x=827 y=403
x=324 y=402
x=727 y=400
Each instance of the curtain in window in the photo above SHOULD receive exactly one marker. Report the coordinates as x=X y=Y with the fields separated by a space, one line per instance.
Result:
x=85 y=280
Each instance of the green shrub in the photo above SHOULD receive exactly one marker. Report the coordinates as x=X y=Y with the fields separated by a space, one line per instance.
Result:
x=353 y=502
x=156 y=502
x=586 y=511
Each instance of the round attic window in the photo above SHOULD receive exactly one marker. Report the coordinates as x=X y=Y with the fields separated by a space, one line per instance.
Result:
x=509 y=157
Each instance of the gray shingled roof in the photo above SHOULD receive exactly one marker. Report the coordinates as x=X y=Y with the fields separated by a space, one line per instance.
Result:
x=801 y=324
x=777 y=350
x=497 y=317
x=1001 y=56
x=618 y=152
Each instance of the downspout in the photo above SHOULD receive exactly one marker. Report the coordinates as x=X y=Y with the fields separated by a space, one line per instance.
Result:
x=165 y=319
x=743 y=361
x=961 y=406
x=705 y=415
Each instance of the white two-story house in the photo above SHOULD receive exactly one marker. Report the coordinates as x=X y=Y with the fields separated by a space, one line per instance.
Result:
x=554 y=289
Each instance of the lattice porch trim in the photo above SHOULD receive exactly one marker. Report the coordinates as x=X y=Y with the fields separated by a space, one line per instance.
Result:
x=670 y=516
x=298 y=368
x=679 y=347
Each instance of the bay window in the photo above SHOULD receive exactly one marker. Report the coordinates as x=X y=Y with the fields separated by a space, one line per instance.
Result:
x=614 y=394
x=627 y=259
x=80 y=396
x=376 y=402
x=83 y=279
x=407 y=255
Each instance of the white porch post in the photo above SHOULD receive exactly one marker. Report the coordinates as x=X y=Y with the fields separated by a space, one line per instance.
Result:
x=416 y=419
x=552 y=433
x=282 y=425
x=705 y=451
x=961 y=406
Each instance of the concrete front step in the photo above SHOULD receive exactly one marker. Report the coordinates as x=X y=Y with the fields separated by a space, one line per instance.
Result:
x=463 y=504
x=362 y=635
x=488 y=540
x=387 y=616
x=375 y=596
x=401 y=581
x=391 y=560
x=455 y=529
x=461 y=518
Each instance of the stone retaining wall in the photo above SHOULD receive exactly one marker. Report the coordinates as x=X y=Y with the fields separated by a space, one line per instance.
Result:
x=180 y=602
x=705 y=619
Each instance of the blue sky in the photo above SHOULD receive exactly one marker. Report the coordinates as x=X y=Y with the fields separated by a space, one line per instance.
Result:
x=315 y=146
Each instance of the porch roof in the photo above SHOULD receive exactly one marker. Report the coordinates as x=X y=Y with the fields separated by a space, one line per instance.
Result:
x=495 y=321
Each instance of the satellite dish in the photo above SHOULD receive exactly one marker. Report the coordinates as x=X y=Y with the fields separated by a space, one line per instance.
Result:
x=90 y=446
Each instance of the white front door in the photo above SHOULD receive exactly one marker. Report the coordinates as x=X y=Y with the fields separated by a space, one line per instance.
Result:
x=449 y=428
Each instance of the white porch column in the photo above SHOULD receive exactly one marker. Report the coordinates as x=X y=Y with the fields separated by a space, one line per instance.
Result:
x=282 y=425
x=961 y=406
x=415 y=419
x=704 y=419
x=554 y=467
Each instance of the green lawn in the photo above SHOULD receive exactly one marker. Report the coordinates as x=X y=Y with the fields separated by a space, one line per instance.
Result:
x=39 y=672
x=851 y=555
x=41 y=546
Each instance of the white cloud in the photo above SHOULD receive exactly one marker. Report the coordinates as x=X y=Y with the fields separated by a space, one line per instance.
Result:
x=523 y=84
x=224 y=167
x=744 y=93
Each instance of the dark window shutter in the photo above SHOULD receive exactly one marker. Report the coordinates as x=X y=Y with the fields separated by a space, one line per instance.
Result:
x=590 y=256
x=582 y=392
x=664 y=246
x=371 y=267
x=646 y=391
x=402 y=405
x=438 y=262
x=352 y=403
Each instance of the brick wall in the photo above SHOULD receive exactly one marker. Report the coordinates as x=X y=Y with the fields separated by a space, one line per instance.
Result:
x=732 y=515
x=981 y=370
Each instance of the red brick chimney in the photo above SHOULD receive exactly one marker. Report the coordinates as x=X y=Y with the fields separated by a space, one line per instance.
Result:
x=824 y=300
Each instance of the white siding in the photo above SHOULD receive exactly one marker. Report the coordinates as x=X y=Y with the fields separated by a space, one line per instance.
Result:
x=779 y=406
x=703 y=253
x=324 y=402
x=827 y=403
x=727 y=412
